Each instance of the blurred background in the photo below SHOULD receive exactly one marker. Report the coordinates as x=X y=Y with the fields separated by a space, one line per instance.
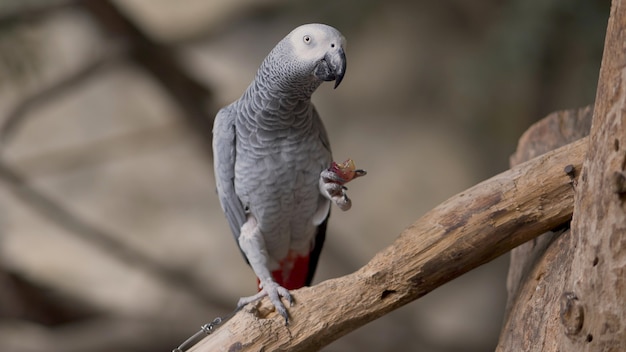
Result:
x=111 y=234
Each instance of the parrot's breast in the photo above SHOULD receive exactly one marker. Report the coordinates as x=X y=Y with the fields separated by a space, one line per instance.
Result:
x=277 y=180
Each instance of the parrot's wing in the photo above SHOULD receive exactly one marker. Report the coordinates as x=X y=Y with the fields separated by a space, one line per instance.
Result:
x=224 y=165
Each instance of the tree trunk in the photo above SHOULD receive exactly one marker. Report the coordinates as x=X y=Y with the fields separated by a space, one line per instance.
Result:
x=568 y=292
x=540 y=268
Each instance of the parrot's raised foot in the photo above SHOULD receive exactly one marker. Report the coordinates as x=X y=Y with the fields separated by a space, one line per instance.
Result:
x=274 y=292
x=335 y=191
x=333 y=179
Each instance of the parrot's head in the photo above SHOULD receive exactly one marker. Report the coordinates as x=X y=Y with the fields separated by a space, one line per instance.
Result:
x=316 y=52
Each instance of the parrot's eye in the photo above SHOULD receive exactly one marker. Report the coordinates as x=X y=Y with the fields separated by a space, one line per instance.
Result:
x=307 y=39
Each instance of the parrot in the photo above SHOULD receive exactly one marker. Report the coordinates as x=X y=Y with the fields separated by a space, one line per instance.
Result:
x=273 y=167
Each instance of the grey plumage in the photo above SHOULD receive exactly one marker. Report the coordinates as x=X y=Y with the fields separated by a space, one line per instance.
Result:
x=270 y=147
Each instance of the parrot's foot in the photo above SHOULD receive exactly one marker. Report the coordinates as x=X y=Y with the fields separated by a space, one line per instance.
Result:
x=335 y=191
x=332 y=182
x=274 y=292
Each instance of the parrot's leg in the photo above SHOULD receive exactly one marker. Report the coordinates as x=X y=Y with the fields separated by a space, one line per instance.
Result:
x=253 y=246
x=331 y=186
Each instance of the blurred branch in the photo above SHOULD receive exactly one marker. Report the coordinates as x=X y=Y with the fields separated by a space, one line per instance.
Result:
x=29 y=11
x=102 y=150
x=160 y=61
x=129 y=42
x=95 y=334
x=22 y=298
x=105 y=241
x=19 y=114
x=462 y=233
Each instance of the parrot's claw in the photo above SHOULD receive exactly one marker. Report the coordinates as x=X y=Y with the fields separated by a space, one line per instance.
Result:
x=332 y=182
x=337 y=193
x=274 y=292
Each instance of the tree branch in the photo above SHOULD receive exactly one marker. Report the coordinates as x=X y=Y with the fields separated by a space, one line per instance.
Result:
x=553 y=131
x=467 y=230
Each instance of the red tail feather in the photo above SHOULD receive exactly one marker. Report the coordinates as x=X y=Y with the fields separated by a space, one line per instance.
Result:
x=293 y=272
x=294 y=278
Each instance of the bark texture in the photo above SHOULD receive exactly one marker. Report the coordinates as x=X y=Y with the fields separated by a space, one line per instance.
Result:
x=554 y=131
x=567 y=292
x=540 y=268
x=593 y=307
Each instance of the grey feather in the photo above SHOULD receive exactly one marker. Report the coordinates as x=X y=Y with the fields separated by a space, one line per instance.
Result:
x=270 y=145
x=224 y=166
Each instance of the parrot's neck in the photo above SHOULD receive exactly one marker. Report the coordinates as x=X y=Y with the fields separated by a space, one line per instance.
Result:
x=280 y=97
x=291 y=91
x=279 y=83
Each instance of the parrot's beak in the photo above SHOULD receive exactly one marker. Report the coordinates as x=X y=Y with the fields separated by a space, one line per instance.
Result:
x=338 y=64
x=332 y=67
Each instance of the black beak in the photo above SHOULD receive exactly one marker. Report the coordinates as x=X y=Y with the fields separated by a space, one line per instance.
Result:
x=337 y=61
x=332 y=67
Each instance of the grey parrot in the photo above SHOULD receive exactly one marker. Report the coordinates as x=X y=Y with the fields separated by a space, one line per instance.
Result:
x=273 y=167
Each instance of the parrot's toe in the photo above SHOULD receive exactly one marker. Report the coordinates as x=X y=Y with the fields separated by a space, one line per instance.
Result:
x=331 y=176
x=335 y=192
x=332 y=182
x=274 y=292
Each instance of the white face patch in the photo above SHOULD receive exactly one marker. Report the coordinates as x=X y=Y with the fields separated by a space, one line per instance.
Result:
x=313 y=41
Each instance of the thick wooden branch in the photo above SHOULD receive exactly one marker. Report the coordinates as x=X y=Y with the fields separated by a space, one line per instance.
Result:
x=593 y=309
x=540 y=268
x=462 y=233
x=570 y=294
